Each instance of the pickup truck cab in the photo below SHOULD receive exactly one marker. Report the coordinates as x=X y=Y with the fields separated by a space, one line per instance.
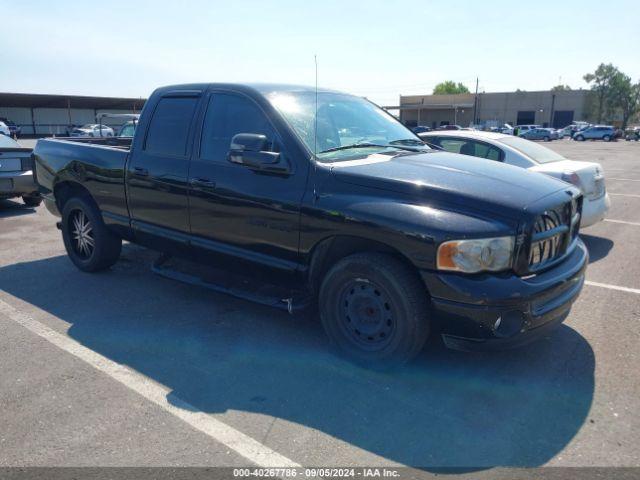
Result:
x=295 y=197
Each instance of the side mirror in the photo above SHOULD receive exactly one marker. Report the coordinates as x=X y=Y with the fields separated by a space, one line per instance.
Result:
x=251 y=150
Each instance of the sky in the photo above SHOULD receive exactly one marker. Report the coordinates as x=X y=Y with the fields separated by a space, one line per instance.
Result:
x=377 y=49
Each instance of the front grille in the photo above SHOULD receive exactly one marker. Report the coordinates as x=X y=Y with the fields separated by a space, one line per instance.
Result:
x=553 y=233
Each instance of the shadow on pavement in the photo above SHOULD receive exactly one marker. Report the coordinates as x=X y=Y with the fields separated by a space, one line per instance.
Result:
x=598 y=247
x=447 y=409
x=10 y=208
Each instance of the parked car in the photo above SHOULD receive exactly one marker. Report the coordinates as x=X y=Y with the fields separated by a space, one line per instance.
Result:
x=632 y=133
x=449 y=127
x=525 y=128
x=4 y=129
x=587 y=176
x=545 y=134
x=566 y=131
x=128 y=129
x=595 y=132
x=14 y=130
x=16 y=173
x=421 y=129
x=92 y=130
x=379 y=231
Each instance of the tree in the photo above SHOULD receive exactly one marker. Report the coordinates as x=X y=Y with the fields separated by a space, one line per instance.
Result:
x=561 y=88
x=449 y=87
x=601 y=86
x=624 y=97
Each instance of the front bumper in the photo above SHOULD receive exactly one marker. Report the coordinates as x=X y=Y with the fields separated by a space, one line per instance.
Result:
x=594 y=211
x=15 y=184
x=467 y=307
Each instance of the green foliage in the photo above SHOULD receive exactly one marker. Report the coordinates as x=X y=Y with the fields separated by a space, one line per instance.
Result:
x=449 y=87
x=614 y=93
x=561 y=88
x=600 y=82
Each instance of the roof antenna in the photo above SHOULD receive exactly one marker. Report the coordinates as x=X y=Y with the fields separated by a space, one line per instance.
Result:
x=315 y=120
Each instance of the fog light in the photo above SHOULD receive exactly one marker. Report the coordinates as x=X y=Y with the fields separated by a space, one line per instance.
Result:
x=508 y=324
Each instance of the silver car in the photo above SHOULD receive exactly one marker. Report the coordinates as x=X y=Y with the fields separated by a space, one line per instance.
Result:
x=16 y=173
x=587 y=176
x=596 y=132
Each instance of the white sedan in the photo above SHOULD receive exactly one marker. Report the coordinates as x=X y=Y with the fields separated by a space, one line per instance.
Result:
x=4 y=130
x=587 y=176
x=92 y=130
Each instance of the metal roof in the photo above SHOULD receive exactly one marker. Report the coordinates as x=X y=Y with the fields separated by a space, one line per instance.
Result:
x=36 y=100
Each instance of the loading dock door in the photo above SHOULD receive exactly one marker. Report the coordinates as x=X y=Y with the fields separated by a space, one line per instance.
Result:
x=562 y=118
x=526 y=117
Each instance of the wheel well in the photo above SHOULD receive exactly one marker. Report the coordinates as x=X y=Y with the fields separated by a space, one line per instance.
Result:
x=331 y=250
x=63 y=191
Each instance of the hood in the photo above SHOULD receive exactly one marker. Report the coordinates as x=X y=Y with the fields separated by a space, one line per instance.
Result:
x=448 y=178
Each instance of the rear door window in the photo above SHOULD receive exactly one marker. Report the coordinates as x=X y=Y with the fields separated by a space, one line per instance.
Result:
x=169 y=126
x=452 y=145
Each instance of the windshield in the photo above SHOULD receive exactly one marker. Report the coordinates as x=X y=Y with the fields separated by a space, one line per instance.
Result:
x=88 y=126
x=535 y=151
x=347 y=127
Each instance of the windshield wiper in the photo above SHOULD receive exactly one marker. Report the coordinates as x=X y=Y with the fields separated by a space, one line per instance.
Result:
x=408 y=141
x=365 y=145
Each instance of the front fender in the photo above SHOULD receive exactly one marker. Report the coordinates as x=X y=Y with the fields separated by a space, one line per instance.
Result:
x=415 y=229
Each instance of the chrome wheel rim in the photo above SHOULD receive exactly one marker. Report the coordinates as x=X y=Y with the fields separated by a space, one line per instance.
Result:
x=82 y=234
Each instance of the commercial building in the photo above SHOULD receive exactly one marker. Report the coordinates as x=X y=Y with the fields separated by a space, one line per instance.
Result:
x=546 y=108
x=42 y=115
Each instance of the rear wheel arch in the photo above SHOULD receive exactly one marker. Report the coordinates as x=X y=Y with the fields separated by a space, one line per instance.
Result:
x=66 y=190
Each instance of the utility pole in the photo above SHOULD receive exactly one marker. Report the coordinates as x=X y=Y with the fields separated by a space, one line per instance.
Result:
x=475 y=105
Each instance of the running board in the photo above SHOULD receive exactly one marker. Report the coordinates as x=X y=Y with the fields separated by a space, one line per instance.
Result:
x=239 y=286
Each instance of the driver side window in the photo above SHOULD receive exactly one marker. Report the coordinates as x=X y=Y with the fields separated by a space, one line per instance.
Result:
x=227 y=115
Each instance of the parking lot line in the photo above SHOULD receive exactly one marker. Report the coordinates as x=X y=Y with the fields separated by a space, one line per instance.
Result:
x=612 y=287
x=625 y=195
x=624 y=179
x=622 y=221
x=244 y=445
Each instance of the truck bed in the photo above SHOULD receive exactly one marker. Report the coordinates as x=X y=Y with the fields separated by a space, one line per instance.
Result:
x=98 y=164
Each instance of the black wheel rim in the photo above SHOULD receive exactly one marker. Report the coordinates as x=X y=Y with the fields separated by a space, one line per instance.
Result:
x=366 y=315
x=82 y=238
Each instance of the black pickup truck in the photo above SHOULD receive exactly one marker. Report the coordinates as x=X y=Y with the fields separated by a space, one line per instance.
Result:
x=295 y=197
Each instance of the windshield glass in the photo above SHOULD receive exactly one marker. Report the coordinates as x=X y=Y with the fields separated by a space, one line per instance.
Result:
x=535 y=151
x=348 y=126
x=88 y=126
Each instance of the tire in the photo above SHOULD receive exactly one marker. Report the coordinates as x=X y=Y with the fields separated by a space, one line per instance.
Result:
x=99 y=248
x=547 y=139
x=579 y=138
x=32 y=201
x=606 y=138
x=375 y=309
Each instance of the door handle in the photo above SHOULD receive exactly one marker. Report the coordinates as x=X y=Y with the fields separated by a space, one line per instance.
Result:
x=202 y=182
x=143 y=172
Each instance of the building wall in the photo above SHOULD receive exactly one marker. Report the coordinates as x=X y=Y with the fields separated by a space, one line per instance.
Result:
x=54 y=121
x=494 y=108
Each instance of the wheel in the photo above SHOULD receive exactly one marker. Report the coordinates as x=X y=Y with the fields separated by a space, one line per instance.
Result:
x=547 y=139
x=91 y=246
x=606 y=138
x=579 y=138
x=375 y=309
x=30 y=201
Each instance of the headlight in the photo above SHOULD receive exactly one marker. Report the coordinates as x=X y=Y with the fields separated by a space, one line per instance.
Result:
x=476 y=255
